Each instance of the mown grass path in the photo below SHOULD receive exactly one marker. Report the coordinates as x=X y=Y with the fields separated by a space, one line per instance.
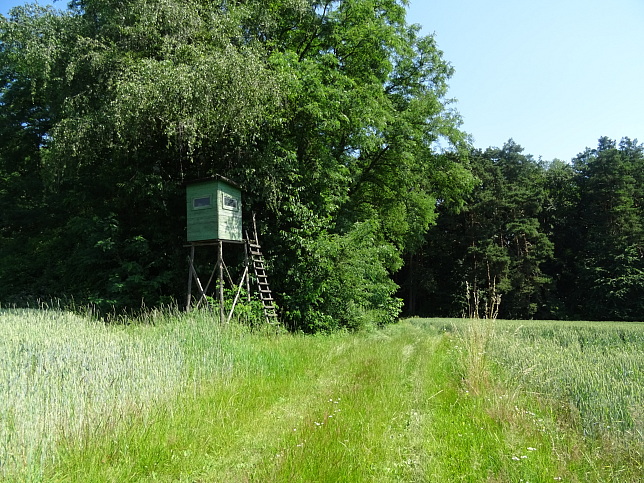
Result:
x=335 y=408
x=401 y=404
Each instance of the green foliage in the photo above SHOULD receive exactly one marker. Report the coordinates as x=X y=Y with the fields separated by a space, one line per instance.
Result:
x=558 y=240
x=356 y=148
x=109 y=150
x=347 y=281
x=609 y=254
x=495 y=245
x=329 y=114
x=334 y=117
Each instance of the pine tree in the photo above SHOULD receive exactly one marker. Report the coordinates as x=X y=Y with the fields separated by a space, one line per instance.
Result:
x=610 y=239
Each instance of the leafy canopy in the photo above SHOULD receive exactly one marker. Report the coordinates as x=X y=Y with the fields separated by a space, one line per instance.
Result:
x=332 y=114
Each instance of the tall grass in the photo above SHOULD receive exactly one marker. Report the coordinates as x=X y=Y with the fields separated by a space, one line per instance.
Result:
x=177 y=397
x=63 y=376
x=596 y=368
x=579 y=383
x=476 y=334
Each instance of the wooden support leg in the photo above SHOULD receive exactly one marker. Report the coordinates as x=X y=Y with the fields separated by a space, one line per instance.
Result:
x=239 y=289
x=202 y=292
x=190 y=270
x=221 y=282
x=212 y=275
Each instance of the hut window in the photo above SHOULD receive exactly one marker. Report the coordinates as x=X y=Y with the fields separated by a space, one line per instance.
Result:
x=230 y=203
x=202 y=202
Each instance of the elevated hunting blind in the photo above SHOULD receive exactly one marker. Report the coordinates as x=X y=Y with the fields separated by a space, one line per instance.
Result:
x=214 y=210
x=214 y=217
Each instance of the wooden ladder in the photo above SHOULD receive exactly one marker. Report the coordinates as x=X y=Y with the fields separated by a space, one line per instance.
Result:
x=257 y=258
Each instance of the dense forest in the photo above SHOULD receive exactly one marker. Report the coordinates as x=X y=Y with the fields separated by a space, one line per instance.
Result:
x=335 y=118
x=539 y=240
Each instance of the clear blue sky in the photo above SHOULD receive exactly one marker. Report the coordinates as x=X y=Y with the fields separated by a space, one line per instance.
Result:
x=554 y=75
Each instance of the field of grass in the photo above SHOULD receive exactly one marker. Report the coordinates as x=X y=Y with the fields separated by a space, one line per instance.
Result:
x=176 y=397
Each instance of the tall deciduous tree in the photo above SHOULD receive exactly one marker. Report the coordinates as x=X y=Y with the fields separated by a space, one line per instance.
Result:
x=366 y=106
x=328 y=112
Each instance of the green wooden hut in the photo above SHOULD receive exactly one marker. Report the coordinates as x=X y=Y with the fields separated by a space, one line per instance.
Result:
x=213 y=210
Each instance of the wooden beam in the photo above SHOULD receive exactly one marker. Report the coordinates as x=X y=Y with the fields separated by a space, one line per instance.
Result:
x=190 y=261
x=221 y=282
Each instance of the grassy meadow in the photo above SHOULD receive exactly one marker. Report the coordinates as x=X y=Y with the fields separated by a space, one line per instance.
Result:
x=176 y=397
